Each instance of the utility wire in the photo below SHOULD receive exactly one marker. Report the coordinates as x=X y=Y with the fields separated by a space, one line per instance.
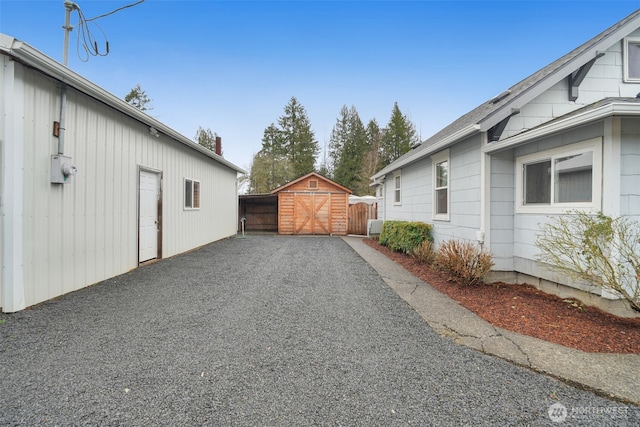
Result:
x=87 y=42
x=116 y=10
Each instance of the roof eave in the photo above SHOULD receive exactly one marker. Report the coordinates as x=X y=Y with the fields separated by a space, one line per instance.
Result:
x=559 y=74
x=428 y=150
x=613 y=109
x=30 y=56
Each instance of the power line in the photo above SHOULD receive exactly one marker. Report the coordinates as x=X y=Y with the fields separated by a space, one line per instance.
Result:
x=86 y=39
x=116 y=10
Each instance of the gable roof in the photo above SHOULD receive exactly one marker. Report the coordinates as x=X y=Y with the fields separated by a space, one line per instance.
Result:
x=33 y=58
x=493 y=111
x=309 y=175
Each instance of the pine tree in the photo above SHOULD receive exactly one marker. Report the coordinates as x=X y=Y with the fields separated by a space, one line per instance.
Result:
x=206 y=138
x=398 y=137
x=139 y=99
x=298 y=139
x=337 y=140
x=348 y=145
x=271 y=166
x=371 y=160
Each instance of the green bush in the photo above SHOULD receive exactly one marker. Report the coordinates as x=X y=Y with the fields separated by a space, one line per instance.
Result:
x=463 y=261
x=404 y=236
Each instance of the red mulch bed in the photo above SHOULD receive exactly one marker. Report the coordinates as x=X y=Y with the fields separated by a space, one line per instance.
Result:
x=527 y=310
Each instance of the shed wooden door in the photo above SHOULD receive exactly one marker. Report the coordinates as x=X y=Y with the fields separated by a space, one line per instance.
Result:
x=311 y=213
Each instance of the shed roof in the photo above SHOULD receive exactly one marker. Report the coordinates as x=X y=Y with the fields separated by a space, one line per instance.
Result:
x=31 y=57
x=491 y=112
x=309 y=175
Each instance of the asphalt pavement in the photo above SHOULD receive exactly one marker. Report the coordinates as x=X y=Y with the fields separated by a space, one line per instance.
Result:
x=265 y=331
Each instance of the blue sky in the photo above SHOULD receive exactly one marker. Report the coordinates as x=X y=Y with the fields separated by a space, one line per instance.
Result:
x=232 y=66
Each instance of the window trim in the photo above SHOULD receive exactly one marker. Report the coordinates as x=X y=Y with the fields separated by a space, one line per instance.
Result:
x=397 y=188
x=625 y=56
x=196 y=192
x=593 y=145
x=436 y=159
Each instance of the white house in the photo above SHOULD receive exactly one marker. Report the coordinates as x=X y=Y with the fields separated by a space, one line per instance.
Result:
x=91 y=187
x=567 y=137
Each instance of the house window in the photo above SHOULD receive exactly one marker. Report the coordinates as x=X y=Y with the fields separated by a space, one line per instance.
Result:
x=563 y=178
x=441 y=185
x=632 y=60
x=191 y=194
x=313 y=184
x=397 y=199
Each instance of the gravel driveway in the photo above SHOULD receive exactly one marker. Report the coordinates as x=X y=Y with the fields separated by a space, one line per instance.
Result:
x=262 y=331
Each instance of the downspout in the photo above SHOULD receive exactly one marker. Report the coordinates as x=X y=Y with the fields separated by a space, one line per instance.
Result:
x=483 y=234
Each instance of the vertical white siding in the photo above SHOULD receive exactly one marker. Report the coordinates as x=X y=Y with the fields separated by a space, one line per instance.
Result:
x=85 y=231
x=12 y=157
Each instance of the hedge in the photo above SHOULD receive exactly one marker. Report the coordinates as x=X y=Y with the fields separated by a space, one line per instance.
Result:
x=404 y=236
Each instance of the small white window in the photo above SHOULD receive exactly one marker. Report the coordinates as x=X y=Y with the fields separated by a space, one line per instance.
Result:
x=560 y=179
x=632 y=60
x=191 y=194
x=441 y=185
x=397 y=189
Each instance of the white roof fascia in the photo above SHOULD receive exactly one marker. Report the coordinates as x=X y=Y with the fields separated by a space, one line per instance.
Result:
x=36 y=59
x=430 y=149
x=613 y=109
x=556 y=76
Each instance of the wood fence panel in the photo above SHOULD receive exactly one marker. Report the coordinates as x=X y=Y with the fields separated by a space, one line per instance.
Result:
x=359 y=215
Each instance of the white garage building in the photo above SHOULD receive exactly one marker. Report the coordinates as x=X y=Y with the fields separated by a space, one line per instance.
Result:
x=141 y=192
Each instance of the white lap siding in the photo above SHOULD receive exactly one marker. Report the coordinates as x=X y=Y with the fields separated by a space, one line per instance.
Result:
x=630 y=169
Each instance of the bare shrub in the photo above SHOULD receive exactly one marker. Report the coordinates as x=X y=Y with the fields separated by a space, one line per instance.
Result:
x=463 y=261
x=602 y=250
x=424 y=252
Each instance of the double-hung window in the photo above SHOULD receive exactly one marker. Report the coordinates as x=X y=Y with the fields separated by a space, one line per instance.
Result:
x=632 y=59
x=560 y=179
x=441 y=185
x=397 y=188
x=191 y=194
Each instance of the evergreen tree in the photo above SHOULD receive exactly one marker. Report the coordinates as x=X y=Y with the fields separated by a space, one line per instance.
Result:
x=206 y=138
x=339 y=136
x=371 y=160
x=268 y=172
x=298 y=139
x=138 y=98
x=398 y=137
x=348 y=145
x=271 y=166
